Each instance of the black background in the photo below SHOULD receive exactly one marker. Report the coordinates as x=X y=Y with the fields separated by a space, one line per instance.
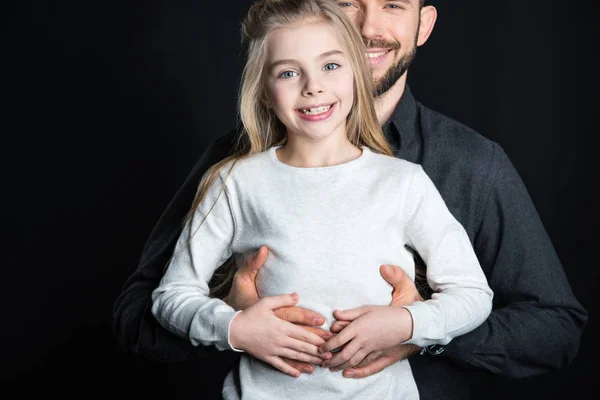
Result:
x=116 y=100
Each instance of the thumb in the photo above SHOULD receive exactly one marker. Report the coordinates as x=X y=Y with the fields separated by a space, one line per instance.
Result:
x=283 y=300
x=392 y=274
x=255 y=261
x=350 y=315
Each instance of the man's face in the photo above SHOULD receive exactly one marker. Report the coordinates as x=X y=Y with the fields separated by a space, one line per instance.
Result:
x=390 y=31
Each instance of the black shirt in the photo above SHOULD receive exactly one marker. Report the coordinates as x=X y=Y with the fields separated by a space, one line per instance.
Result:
x=536 y=322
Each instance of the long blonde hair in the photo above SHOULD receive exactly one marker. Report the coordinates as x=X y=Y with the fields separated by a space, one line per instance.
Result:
x=261 y=129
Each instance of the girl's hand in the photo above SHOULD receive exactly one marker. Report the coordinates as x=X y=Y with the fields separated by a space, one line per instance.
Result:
x=372 y=329
x=260 y=333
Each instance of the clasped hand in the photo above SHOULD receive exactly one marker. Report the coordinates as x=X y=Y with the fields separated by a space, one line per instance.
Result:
x=370 y=331
x=369 y=338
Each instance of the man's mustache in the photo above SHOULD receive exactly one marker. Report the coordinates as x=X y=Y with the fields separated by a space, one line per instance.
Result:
x=381 y=44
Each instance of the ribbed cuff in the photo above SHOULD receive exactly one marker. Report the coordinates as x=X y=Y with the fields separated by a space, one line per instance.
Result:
x=222 y=323
x=426 y=330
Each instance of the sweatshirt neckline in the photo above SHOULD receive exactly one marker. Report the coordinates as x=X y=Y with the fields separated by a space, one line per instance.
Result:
x=366 y=153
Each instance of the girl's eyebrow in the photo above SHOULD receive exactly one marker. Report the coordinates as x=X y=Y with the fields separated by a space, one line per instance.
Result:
x=291 y=61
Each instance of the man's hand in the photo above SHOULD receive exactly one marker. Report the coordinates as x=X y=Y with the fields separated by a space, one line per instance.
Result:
x=244 y=294
x=404 y=293
x=257 y=331
x=373 y=329
x=378 y=361
x=243 y=291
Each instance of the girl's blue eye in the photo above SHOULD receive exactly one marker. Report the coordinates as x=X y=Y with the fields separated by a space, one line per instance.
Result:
x=330 y=67
x=345 y=4
x=288 y=74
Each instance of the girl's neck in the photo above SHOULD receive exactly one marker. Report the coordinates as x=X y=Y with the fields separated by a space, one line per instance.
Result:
x=315 y=153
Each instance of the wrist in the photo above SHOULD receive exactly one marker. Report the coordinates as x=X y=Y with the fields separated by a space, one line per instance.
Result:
x=234 y=336
x=406 y=324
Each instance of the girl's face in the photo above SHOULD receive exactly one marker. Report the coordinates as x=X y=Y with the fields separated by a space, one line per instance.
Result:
x=310 y=83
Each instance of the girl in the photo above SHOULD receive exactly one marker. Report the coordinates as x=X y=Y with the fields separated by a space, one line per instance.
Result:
x=314 y=180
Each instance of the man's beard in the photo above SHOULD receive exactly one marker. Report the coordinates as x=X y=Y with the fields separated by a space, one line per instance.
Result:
x=391 y=76
x=394 y=73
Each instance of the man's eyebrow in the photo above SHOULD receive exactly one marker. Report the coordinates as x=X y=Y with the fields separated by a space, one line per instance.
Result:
x=407 y=2
x=291 y=61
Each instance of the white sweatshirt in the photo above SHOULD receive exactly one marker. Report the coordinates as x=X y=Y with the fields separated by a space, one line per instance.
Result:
x=328 y=229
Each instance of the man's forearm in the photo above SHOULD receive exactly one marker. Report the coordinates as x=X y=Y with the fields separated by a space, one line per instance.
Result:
x=140 y=333
x=134 y=325
x=534 y=341
x=536 y=322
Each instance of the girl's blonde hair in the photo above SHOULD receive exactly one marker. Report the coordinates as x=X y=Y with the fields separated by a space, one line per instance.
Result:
x=261 y=129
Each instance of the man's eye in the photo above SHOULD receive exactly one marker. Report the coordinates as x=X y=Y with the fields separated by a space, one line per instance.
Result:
x=331 y=66
x=393 y=6
x=288 y=74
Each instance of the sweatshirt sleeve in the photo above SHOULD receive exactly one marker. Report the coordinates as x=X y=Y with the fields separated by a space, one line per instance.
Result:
x=181 y=302
x=462 y=298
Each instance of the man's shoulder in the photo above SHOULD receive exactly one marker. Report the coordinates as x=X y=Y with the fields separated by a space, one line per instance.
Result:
x=454 y=140
x=225 y=144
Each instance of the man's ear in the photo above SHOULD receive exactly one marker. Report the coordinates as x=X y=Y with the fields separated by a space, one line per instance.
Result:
x=428 y=18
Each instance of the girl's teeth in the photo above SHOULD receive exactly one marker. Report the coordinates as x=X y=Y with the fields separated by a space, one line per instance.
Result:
x=316 y=110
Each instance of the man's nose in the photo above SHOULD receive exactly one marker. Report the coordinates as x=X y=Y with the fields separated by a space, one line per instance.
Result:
x=369 y=24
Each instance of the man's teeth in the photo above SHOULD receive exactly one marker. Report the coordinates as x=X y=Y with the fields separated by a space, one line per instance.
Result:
x=375 y=55
x=315 y=110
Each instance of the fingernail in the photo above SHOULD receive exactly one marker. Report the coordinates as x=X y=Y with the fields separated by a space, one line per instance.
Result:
x=349 y=373
x=387 y=269
x=332 y=369
x=307 y=370
x=318 y=321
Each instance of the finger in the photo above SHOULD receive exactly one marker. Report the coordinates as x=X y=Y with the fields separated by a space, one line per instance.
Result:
x=304 y=368
x=351 y=315
x=299 y=315
x=304 y=335
x=372 y=356
x=282 y=366
x=255 y=261
x=283 y=300
x=393 y=274
x=337 y=341
x=259 y=259
x=404 y=290
x=343 y=356
x=299 y=345
x=337 y=326
x=299 y=356
x=376 y=366
x=356 y=359
x=322 y=333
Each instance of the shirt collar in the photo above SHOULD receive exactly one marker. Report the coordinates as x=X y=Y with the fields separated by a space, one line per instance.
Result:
x=401 y=129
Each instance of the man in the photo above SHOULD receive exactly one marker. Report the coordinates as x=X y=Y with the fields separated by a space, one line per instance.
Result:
x=536 y=322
